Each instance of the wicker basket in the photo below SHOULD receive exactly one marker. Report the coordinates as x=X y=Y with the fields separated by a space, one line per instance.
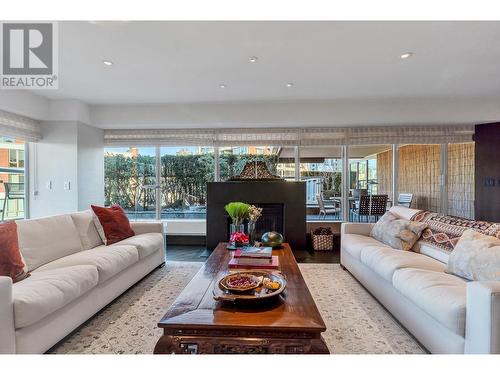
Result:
x=322 y=242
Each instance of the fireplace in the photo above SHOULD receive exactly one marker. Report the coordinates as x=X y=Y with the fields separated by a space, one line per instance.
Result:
x=283 y=203
x=271 y=219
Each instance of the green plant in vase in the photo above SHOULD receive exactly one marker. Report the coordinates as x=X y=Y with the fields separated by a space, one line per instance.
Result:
x=238 y=212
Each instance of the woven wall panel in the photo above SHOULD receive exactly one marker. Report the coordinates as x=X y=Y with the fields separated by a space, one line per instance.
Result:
x=384 y=173
x=418 y=173
x=461 y=180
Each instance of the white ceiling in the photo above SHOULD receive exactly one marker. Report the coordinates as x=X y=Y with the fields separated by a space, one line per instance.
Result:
x=184 y=62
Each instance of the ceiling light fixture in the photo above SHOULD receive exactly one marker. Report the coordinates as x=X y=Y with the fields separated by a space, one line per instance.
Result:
x=407 y=55
x=222 y=86
x=107 y=62
x=289 y=84
x=253 y=59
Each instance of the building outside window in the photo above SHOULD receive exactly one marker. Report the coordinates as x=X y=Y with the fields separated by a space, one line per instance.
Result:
x=12 y=178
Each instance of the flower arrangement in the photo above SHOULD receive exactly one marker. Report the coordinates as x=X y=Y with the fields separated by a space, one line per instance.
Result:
x=254 y=213
x=239 y=238
x=238 y=211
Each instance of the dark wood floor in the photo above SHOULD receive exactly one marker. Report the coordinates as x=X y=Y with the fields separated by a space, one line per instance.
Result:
x=198 y=253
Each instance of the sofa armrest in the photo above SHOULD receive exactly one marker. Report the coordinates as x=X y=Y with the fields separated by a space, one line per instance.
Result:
x=141 y=227
x=356 y=228
x=482 y=327
x=7 y=330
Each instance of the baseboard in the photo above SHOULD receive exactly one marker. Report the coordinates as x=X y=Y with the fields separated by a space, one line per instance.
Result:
x=178 y=239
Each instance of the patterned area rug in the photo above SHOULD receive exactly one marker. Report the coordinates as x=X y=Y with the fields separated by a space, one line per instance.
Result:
x=356 y=323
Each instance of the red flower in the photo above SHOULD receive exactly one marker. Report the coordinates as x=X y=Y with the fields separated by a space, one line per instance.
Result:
x=239 y=237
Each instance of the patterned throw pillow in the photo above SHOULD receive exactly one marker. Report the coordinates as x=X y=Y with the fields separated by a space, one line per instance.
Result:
x=476 y=257
x=444 y=231
x=11 y=260
x=112 y=224
x=398 y=233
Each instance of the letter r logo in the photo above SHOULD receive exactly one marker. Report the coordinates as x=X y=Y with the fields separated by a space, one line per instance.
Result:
x=27 y=48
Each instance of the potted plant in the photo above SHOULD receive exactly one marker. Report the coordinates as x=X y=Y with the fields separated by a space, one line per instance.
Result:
x=254 y=213
x=238 y=212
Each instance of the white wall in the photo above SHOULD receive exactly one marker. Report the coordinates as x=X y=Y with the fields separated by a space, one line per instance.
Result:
x=54 y=160
x=90 y=166
x=70 y=156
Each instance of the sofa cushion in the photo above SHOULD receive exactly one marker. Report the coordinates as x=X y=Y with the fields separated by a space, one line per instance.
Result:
x=11 y=260
x=146 y=243
x=108 y=260
x=44 y=240
x=440 y=295
x=476 y=257
x=385 y=261
x=112 y=223
x=396 y=232
x=45 y=292
x=84 y=222
x=355 y=243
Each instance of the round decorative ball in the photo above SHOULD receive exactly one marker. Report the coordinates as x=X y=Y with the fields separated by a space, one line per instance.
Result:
x=273 y=239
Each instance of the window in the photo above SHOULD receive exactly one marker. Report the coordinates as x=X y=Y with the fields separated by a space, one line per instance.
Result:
x=370 y=173
x=12 y=176
x=185 y=172
x=321 y=169
x=130 y=180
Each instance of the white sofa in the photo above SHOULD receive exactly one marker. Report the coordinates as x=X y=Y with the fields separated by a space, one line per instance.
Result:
x=445 y=313
x=73 y=276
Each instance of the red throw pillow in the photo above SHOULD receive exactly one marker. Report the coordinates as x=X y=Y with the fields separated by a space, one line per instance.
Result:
x=112 y=224
x=11 y=260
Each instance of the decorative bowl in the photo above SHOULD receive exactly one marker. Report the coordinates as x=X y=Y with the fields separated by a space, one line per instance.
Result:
x=273 y=239
x=241 y=282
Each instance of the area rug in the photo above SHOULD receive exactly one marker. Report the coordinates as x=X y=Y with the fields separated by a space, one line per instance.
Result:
x=356 y=322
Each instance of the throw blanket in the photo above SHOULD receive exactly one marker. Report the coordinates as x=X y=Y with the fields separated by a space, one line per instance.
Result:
x=444 y=231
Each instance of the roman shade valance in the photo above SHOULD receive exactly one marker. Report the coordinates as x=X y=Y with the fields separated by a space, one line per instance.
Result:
x=327 y=136
x=19 y=127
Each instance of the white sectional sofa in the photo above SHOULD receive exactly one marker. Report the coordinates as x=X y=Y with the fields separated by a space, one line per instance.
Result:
x=445 y=313
x=73 y=276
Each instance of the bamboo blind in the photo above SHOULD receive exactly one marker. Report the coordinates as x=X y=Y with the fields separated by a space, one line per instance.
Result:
x=461 y=180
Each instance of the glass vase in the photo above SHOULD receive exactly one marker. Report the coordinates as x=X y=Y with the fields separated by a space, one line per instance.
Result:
x=234 y=228
x=251 y=233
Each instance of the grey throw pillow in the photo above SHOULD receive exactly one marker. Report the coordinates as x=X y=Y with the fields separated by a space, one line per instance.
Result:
x=475 y=257
x=398 y=233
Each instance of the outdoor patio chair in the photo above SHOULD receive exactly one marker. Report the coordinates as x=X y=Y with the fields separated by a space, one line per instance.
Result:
x=378 y=206
x=323 y=210
x=405 y=199
x=12 y=191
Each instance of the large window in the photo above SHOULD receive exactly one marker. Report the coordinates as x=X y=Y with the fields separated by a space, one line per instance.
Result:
x=12 y=178
x=171 y=182
x=185 y=172
x=130 y=180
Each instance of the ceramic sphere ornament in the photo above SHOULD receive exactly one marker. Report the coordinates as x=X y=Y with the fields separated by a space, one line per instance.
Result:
x=273 y=239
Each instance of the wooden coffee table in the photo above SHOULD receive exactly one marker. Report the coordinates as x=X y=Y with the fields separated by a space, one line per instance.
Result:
x=196 y=323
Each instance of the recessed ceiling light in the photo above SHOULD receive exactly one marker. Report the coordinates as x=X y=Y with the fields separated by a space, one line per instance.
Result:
x=107 y=62
x=289 y=84
x=406 y=55
x=253 y=59
x=222 y=86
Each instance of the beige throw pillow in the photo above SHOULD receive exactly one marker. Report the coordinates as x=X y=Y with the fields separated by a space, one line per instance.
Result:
x=475 y=257
x=398 y=233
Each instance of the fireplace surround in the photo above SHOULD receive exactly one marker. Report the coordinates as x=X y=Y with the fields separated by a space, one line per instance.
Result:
x=284 y=204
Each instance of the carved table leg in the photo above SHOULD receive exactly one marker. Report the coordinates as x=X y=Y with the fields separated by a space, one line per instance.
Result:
x=164 y=345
